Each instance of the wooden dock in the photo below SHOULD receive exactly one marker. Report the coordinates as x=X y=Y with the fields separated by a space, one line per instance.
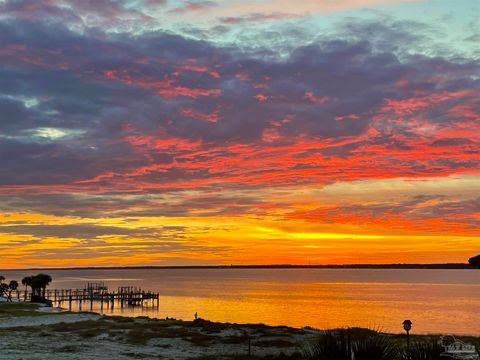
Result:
x=98 y=293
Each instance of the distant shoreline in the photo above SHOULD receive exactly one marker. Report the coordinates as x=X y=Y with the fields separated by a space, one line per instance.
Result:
x=275 y=266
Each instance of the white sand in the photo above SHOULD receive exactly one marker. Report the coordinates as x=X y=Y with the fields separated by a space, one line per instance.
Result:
x=31 y=337
x=11 y=322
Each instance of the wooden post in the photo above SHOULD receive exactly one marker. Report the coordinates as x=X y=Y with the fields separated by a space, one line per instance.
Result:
x=408 y=344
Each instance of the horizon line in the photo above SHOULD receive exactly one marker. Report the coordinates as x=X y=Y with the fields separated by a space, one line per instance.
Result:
x=261 y=266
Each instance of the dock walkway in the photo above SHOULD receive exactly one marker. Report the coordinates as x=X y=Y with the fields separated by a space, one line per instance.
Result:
x=97 y=293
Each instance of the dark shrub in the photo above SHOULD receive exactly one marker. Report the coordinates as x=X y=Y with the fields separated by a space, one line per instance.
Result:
x=375 y=347
x=423 y=351
x=41 y=300
x=333 y=345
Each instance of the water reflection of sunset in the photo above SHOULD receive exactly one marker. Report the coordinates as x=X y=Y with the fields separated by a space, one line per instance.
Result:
x=321 y=298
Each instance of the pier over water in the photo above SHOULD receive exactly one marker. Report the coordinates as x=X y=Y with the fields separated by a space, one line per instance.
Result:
x=96 y=293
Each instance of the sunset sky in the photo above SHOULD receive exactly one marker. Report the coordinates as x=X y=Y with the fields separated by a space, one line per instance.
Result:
x=166 y=132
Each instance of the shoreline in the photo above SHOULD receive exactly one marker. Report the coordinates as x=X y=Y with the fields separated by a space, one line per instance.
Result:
x=445 y=266
x=86 y=335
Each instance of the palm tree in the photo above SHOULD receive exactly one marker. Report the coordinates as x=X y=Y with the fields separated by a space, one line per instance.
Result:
x=45 y=281
x=39 y=284
x=27 y=281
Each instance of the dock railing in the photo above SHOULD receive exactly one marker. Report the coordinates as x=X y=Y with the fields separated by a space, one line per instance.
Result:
x=95 y=293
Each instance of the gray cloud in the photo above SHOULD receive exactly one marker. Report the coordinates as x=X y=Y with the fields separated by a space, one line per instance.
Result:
x=89 y=231
x=105 y=113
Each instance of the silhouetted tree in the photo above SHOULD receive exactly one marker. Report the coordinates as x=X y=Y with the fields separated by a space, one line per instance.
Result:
x=475 y=261
x=12 y=286
x=39 y=284
x=3 y=289
x=27 y=281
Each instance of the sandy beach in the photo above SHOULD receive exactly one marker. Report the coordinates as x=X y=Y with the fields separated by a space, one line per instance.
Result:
x=31 y=331
x=27 y=332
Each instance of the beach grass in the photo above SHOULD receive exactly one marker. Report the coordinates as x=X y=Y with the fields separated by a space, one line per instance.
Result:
x=19 y=309
x=89 y=335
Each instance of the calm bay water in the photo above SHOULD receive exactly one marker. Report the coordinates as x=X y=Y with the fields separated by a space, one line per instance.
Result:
x=437 y=301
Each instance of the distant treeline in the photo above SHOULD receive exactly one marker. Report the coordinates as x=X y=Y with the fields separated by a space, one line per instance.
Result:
x=281 y=266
